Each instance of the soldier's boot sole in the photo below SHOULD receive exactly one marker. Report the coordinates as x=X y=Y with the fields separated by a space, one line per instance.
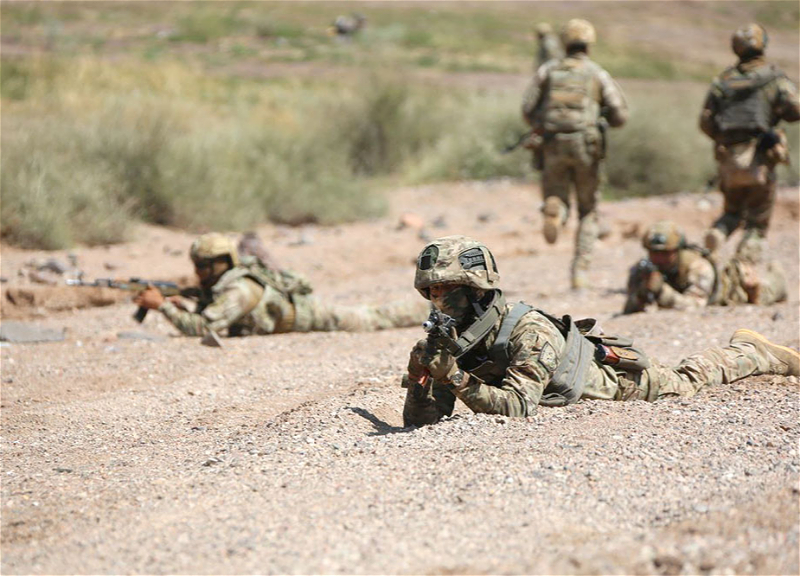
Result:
x=553 y=219
x=782 y=360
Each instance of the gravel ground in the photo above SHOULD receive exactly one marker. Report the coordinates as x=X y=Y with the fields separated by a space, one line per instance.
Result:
x=286 y=454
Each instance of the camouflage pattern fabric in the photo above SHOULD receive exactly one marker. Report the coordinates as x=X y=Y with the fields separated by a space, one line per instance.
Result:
x=535 y=348
x=573 y=159
x=549 y=48
x=693 y=284
x=748 y=200
x=242 y=306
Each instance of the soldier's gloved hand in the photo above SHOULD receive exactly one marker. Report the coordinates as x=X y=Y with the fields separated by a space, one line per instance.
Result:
x=440 y=364
x=150 y=298
x=655 y=283
x=416 y=369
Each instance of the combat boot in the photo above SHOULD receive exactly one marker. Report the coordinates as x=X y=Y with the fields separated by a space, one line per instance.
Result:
x=781 y=360
x=553 y=211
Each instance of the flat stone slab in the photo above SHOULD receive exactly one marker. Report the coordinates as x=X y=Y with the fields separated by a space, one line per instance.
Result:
x=21 y=332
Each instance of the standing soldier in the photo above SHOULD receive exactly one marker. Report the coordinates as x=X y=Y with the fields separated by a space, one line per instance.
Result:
x=246 y=297
x=743 y=107
x=567 y=105
x=549 y=46
x=509 y=358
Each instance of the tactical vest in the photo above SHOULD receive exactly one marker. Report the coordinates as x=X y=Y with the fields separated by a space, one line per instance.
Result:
x=291 y=285
x=744 y=108
x=567 y=381
x=573 y=96
x=678 y=278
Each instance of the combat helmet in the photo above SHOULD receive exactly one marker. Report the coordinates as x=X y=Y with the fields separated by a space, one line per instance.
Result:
x=455 y=260
x=578 y=31
x=214 y=245
x=662 y=236
x=543 y=29
x=749 y=40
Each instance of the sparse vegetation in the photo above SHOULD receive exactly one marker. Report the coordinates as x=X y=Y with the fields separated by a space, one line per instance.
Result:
x=92 y=143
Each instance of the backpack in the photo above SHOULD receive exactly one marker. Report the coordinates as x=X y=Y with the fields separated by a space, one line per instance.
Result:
x=572 y=97
x=743 y=105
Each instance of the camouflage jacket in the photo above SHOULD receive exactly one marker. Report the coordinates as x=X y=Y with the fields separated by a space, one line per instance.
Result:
x=238 y=303
x=780 y=95
x=605 y=91
x=691 y=284
x=535 y=348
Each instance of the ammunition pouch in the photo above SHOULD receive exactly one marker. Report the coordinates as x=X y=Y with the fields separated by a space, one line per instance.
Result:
x=742 y=165
x=569 y=379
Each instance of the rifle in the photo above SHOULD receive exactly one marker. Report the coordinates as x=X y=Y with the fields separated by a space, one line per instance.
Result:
x=137 y=285
x=640 y=274
x=438 y=326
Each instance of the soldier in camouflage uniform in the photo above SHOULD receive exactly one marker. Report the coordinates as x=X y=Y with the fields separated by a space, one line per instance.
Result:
x=742 y=109
x=549 y=45
x=247 y=297
x=680 y=275
x=568 y=105
x=503 y=358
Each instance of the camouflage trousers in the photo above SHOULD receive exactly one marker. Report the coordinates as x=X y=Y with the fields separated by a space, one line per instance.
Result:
x=314 y=315
x=572 y=161
x=750 y=206
x=709 y=368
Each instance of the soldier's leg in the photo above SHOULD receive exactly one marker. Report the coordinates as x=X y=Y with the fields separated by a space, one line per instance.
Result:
x=748 y=354
x=759 y=204
x=732 y=215
x=368 y=318
x=587 y=184
x=556 y=183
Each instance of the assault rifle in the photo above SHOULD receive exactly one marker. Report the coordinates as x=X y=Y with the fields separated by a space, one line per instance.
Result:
x=438 y=326
x=640 y=274
x=137 y=285
x=523 y=138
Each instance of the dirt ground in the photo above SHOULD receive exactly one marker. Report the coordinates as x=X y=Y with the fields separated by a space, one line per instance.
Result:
x=286 y=453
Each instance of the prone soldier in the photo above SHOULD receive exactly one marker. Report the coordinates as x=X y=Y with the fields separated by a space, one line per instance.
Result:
x=680 y=275
x=568 y=104
x=247 y=297
x=503 y=358
x=741 y=112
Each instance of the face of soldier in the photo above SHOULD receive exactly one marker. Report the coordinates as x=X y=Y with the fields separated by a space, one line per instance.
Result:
x=209 y=271
x=451 y=299
x=664 y=259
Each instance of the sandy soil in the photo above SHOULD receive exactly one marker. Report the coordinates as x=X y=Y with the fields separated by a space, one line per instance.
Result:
x=286 y=454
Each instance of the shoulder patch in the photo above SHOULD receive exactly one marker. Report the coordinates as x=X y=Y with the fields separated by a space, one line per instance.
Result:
x=547 y=357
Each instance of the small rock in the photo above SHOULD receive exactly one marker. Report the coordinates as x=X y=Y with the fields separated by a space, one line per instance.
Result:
x=54 y=265
x=777 y=316
x=439 y=222
x=63 y=470
x=110 y=265
x=704 y=204
x=485 y=217
x=411 y=220
x=3 y=279
x=43 y=277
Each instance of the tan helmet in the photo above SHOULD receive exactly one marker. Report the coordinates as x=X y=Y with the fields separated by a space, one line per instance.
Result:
x=749 y=40
x=578 y=31
x=663 y=235
x=543 y=28
x=455 y=260
x=213 y=245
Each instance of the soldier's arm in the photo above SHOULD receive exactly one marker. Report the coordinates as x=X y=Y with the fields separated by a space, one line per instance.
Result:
x=238 y=300
x=613 y=100
x=532 y=96
x=701 y=284
x=533 y=349
x=707 y=122
x=787 y=103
